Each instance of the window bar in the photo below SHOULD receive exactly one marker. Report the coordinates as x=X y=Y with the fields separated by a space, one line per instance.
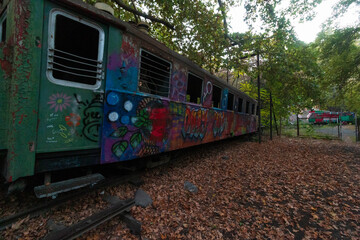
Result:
x=143 y=56
x=148 y=76
x=88 y=59
x=155 y=67
x=71 y=60
x=80 y=75
x=79 y=69
x=146 y=69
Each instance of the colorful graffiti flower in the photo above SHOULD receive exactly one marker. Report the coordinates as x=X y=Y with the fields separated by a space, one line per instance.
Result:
x=59 y=101
x=73 y=120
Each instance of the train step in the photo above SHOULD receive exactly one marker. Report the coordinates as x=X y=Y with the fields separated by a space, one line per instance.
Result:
x=53 y=189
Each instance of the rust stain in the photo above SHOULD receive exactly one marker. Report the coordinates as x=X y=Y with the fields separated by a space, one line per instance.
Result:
x=22 y=117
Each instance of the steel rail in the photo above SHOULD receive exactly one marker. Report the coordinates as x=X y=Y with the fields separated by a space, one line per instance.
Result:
x=33 y=212
x=91 y=222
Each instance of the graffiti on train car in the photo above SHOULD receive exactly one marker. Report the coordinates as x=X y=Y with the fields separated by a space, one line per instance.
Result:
x=67 y=112
x=224 y=99
x=59 y=102
x=145 y=126
x=195 y=123
x=178 y=84
x=122 y=68
x=207 y=93
x=142 y=129
x=220 y=123
x=91 y=116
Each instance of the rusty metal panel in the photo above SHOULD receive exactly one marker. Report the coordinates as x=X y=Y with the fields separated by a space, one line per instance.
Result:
x=20 y=63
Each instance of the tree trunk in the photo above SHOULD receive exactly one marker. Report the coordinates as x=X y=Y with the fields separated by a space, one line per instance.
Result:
x=271 y=113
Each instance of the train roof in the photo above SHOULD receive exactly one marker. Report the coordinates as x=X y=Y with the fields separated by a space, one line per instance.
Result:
x=100 y=15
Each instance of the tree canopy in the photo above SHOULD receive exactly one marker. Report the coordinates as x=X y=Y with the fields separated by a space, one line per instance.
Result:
x=298 y=75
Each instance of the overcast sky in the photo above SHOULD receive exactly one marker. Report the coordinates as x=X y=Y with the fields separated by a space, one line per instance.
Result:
x=305 y=31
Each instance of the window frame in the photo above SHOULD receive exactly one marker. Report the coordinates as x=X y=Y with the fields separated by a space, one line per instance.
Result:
x=221 y=95
x=247 y=107
x=242 y=103
x=3 y=17
x=202 y=87
x=233 y=107
x=51 y=45
x=170 y=73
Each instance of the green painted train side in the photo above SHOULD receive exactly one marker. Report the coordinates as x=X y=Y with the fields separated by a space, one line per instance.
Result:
x=21 y=54
x=42 y=120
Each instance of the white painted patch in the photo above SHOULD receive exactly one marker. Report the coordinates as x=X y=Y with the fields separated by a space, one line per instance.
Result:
x=113 y=116
x=128 y=106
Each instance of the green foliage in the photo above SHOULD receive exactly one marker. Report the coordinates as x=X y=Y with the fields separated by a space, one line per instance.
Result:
x=298 y=75
x=339 y=58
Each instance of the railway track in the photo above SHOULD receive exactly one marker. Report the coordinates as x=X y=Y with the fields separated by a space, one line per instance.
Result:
x=91 y=222
x=50 y=204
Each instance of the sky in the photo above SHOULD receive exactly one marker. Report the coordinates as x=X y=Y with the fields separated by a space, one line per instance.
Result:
x=306 y=31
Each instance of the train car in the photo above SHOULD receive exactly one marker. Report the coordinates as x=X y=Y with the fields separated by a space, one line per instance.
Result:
x=324 y=117
x=80 y=87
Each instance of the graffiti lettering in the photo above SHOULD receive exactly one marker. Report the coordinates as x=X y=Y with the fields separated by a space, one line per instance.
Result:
x=92 y=117
x=195 y=123
x=219 y=123
x=178 y=92
x=207 y=93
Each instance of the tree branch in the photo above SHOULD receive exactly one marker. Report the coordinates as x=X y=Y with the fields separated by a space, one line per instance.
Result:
x=233 y=42
x=152 y=18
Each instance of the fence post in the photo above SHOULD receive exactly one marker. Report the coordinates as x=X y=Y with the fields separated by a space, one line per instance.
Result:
x=297 y=124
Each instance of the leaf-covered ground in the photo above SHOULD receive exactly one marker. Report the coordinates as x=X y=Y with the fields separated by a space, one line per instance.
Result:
x=283 y=189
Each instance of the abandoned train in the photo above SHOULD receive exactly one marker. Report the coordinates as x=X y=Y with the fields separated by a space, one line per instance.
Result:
x=80 y=87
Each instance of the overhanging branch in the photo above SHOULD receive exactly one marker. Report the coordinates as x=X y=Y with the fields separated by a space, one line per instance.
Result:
x=233 y=42
x=152 y=18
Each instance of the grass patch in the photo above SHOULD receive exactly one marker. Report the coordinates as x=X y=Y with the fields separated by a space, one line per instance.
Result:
x=309 y=131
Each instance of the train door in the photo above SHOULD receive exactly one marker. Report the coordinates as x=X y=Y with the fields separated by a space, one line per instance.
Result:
x=72 y=83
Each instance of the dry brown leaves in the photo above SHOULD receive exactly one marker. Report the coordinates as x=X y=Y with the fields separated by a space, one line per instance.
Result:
x=284 y=189
x=287 y=188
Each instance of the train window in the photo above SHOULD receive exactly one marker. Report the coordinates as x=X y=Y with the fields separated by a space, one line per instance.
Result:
x=240 y=104
x=3 y=27
x=253 y=108
x=230 y=103
x=247 y=107
x=194 y=88
x=154 y=74
x=75 y=51
x=216 y=97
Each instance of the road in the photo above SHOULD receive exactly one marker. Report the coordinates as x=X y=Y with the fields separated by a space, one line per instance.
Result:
x=348 y=132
